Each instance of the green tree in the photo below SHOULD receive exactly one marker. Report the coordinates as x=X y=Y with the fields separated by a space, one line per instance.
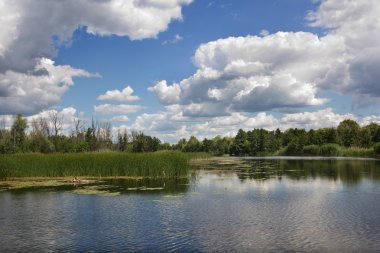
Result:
x=241 y=145
x=181 y=145
x=365 y=137
x=193 y=145
x=348 y=132
x=374 y=130
x=18 y=131
x=90 y=139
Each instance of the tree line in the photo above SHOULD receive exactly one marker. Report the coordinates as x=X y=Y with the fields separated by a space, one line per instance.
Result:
x=46 y=136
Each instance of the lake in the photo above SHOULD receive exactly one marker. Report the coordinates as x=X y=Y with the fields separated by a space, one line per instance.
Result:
x=225 y=205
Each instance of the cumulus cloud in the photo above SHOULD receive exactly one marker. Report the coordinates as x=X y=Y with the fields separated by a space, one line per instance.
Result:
x=254 y=73
x=28 y=26
x=166 y=94
x=124 y=95
x=116 y=109
x=28 y=94
x=286 y=69
x=358 y=23
x=370 y=119
x=32 y=30
x=314 y=120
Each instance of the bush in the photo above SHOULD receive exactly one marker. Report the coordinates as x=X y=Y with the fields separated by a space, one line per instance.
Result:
x=357 y=152
x=292 y=148
x=311 y=150
x=330 y=149
x=376 y=149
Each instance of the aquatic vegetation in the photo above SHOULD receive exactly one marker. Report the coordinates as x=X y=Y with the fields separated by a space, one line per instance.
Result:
x=99 y=190
x=32 y=183
x=111 y=164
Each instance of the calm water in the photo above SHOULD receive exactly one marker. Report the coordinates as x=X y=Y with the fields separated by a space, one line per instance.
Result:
x=229 y=205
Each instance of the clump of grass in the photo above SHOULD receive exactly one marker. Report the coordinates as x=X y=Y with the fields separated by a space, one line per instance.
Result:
x=330 y=149
x=358 y=152
x=158 y=164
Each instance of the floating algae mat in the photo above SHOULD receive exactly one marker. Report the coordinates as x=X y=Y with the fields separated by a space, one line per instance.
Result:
x=97 y=186
x=33 y=184
x=99 y=190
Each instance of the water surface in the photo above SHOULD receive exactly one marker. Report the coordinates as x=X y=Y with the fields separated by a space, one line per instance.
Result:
x=227 y=205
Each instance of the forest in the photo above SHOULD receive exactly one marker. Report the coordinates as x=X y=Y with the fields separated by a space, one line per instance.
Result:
x=46 y=136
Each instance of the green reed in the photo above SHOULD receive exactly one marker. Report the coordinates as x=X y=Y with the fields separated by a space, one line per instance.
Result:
x=158 y=164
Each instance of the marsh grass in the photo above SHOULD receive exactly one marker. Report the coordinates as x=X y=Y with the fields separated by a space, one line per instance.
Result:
x=358 y=152
x=155 y=165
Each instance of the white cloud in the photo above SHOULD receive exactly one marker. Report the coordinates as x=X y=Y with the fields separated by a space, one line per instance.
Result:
x=254 y=73
x=115 y=109
x=314 y=120
x=28 y=26
x=369 y=119
x=32 y=30
x=177 y=38
x=264 y=33
x=6 y=121
x=28 y=94
x=166 y=94
x=124 y=95
x=122 y=118
x=358 y=23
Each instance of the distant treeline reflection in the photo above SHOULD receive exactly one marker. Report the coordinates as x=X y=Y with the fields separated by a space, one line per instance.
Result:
x=346 y=171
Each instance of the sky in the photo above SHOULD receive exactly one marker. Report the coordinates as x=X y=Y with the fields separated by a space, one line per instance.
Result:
x=176 y=68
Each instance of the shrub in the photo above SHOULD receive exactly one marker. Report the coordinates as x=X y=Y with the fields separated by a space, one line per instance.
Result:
x=330 y=149
x=311 y=150
x=376 y=149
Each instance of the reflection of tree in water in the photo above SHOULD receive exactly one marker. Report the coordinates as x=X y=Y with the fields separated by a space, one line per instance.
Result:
x=259 y=170
x=349 y=172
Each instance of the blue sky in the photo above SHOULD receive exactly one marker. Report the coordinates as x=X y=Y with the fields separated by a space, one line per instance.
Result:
x=193 y=67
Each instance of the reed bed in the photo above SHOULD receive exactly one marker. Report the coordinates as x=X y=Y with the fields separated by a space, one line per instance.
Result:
x=156 y=165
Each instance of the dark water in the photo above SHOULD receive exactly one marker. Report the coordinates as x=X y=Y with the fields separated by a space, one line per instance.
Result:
x=230 y=205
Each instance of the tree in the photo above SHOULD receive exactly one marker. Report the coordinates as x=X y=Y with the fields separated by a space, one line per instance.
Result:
x=38 y=138
x=122 y=141
x=348 y=132
x=374 y=130
x=56 y=121
x=144 y=143
x=90 y=139
x=193 y=145
x=241 y=145
x=181 y=144
x=364 y=137
x=79 y=125
x=18 y=131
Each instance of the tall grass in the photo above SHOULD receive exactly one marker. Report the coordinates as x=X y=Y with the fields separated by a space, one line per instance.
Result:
x=158 y=164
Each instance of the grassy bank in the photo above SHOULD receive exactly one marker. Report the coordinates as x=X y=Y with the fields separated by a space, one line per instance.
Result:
x=158 y=164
